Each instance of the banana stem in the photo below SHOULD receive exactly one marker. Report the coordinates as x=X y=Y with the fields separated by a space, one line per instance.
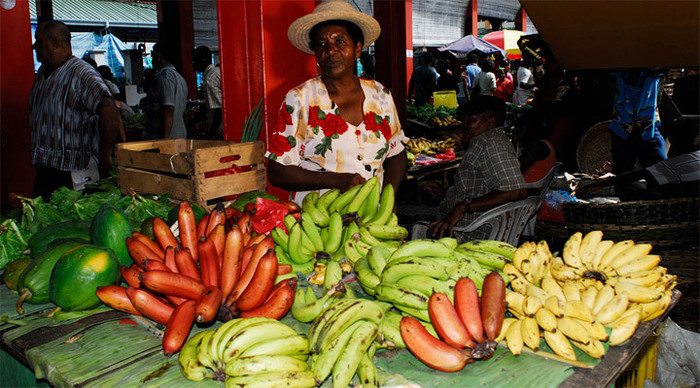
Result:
x=24 y=294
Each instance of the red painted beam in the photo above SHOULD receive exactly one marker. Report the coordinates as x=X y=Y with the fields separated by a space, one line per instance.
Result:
x=521 y=20
x=175 y=23
x=472 y=18
x=16 y=79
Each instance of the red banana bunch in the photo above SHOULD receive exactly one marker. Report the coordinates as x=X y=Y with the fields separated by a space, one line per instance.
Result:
x=466 y=329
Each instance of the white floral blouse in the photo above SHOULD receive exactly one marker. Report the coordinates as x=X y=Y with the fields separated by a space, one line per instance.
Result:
x=311 y=133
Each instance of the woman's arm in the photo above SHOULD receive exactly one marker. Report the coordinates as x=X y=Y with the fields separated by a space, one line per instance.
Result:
x=295 y=178
x=395 y=169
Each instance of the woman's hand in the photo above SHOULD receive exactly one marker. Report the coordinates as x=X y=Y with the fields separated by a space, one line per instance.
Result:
x=443 y=227
x=349 y=180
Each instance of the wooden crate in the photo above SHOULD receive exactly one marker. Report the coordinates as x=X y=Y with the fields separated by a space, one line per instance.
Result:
x=187 y=169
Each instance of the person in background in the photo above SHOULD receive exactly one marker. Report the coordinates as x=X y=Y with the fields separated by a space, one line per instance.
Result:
x=635 y=121
x=72 y=116
x=472 y=71
x=489 y=174
x=446 y=81
x=526 y=84
x=486 y=79
x=538 y=154
x=108 y=77
x=504 y=86
x=368 y=69
x=211 y=87
x=335 y=130
x=423 y=81
x=170 y=94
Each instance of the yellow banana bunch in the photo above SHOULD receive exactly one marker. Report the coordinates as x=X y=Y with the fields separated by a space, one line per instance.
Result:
x=595 y=284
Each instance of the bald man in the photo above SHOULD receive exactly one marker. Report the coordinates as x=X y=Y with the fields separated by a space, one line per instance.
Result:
x=72 y=116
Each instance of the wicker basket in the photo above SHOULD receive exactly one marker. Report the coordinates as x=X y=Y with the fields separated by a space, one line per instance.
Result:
x=594 y=152
x=661 y=222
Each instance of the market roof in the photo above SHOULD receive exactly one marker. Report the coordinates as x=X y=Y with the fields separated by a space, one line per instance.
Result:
x=102 y=12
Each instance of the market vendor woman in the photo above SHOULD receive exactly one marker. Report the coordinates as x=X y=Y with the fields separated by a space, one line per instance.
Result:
x=335 y=130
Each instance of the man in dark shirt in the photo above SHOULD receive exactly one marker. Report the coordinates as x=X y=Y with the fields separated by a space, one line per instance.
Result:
x=422 y=83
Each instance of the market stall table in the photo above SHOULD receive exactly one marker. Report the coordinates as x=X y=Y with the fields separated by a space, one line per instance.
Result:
x=111 y=348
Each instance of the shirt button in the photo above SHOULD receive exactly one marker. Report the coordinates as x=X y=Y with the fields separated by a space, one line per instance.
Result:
x=359 y=157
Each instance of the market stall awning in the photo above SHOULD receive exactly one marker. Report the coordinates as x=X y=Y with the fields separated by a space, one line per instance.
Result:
x=506 y=40
x=470 y=43
x=110 y=13
x=619 y=34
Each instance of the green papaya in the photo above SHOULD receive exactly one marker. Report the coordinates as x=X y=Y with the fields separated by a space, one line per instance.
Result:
x=41 y=240
x=77 y=275
x=12 y=272
x=33 y=283
x=110 y=229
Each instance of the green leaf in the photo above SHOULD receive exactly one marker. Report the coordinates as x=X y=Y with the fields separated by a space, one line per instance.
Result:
x=292 y=141
x=383 y=151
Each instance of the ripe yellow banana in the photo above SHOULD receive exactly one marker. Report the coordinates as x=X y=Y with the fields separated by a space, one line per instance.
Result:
x=571 y=328
x=554 y=306
x=594 y=348
x=615 y=250
x=571 y=291
x=587 y=250
x=504 y=329
x=514 y=338
x=643 y=263
x=558 y=342
x=652 y=310
x=531 y=305
x=578 y=309
x=522 y=253
x=561 y=271
x=630 y=254
x=551 y=287
x=624 y=328
x=604 y=296
x=637 y=293
x=613 y=309
x=514 y=302
x=517 y=280
x=588 y=296
x=533 y=290
x=601 y=250
x=530 y=333
x=546 y=319
x=571 y=251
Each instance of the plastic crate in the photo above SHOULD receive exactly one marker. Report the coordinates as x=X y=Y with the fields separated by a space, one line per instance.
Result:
x=642 y=368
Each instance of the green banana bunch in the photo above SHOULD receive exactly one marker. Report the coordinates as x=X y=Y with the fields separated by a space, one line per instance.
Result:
x=341 y=336
x=190 y=366
x=307 y=307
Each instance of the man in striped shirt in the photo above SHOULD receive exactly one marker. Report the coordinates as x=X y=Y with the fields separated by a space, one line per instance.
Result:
x=73 y=119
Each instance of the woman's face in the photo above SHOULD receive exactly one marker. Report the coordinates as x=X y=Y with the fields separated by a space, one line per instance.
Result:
x=335 y=51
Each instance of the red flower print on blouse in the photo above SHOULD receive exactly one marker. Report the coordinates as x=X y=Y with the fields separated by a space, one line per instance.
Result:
x=374 y=123
x=333 y=124
x=279 y=144
x=314 y=120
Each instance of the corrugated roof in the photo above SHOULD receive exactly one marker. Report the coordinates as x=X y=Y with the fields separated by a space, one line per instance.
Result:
x=100 y=12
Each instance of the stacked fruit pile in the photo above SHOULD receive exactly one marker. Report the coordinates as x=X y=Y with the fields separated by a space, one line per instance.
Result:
x=470 y=323
x=337 y=225
x=421 y=145
x=598 y=284
x=407 y=276
x=177 y=282
x=248 y=352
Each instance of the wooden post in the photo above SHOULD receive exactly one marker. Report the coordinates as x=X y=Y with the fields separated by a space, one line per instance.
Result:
x=175 y=24
x=521 y=20
x=471 y=19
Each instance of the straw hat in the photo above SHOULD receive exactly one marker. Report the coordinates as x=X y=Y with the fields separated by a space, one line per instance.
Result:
x=298 y=32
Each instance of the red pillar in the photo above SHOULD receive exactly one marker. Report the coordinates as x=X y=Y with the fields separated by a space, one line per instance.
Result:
x=16 y=79
x=472 y=18
x=521 y=20
x=175 y=23
x=394 y=48
x=257 y=60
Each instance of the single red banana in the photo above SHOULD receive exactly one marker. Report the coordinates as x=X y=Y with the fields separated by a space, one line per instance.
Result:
x=131 y=275
x=260 y=250
x=208 y=305
x=283 y=269
x=202 y=227
x=208 y=263
x=155 y=265
x=163 y=234
x=170 y=260
x=116 y=298
x=447 y=323
x=278 y=303
x=244 y=223
x=260 y=285
x=255 y=239
x=187 y=225
x=218 y=236
x=185 y=263
x=149 y=305
x=140 y=252
x=230 y=260
x=245 y=259
x=493 y=304
x=231 y=212
x=216 y=217
x=431 y=351
x=149 y=243
x=173 y=284
x=178 y=328
x=467 y=306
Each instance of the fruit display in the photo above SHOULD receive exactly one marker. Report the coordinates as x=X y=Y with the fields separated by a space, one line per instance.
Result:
x=421 y=145
x=596 y=293
x=467 y=329
x=407 y=276
x=445 y=121
x=248 y=352
x=335 y=226
x=205 y=272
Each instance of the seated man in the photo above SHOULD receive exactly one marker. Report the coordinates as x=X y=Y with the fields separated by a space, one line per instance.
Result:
x=489 y=174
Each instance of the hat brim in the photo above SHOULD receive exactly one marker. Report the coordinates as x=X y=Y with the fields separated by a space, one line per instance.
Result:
x=298 y=32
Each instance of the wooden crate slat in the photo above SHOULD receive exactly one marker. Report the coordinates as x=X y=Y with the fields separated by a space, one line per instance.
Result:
x=178 y=163
x=209 y=159
x=166 y=146
x=216 y=187
x=154 y=183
